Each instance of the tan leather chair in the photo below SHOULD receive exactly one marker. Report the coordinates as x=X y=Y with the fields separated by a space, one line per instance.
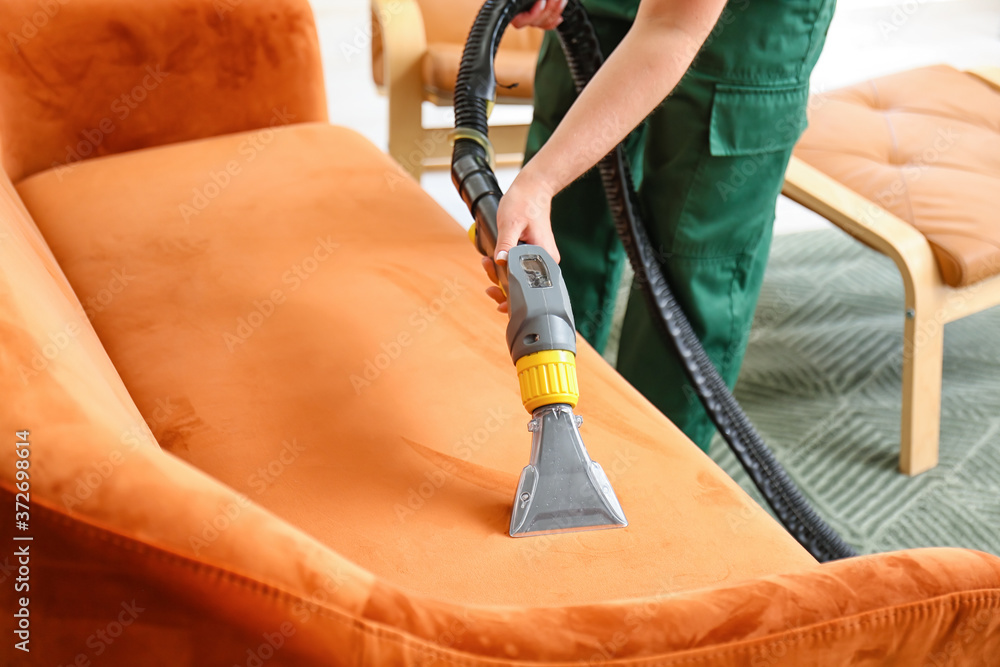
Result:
x=909 y=164
x=416 y=49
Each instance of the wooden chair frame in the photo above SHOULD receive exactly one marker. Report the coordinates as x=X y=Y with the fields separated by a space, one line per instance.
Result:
x=399 y=26
x=929 y=302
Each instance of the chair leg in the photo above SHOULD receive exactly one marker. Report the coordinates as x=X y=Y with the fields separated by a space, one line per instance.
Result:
x=406 y=132
x=923 y=353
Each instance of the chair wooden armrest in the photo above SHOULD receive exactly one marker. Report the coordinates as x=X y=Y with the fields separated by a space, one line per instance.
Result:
x=929 y=302
x=398 y=39
x=866 y=221
x=990 y=75
x=398 y=46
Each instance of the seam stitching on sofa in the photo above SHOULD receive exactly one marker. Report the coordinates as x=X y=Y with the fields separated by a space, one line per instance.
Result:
x=874 y=617
x=466 y=659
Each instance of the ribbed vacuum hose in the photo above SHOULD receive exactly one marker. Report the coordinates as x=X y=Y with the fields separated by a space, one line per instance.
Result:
x=481 y=193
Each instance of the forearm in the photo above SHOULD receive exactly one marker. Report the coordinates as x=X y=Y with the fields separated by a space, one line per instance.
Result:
x=639 y=74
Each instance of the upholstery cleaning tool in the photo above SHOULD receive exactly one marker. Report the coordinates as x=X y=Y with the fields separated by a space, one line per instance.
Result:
x=561 y=489
x=473 y=176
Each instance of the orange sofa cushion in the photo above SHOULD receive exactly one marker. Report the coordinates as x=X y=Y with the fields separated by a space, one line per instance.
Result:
x=313 y=336
x=924 y=145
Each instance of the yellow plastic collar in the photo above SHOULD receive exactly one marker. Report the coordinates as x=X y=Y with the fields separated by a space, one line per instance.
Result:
x=479 y=138
x=547 y=377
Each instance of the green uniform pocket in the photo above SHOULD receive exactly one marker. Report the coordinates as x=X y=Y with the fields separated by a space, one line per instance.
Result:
x=751 y=120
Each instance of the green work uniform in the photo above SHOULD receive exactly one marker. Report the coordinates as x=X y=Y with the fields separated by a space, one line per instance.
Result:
x=708 y=164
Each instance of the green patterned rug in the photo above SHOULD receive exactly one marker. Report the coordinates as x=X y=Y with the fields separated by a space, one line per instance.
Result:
x=821 y=381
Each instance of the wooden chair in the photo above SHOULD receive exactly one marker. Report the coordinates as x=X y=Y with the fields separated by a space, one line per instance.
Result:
x=908 y=164
x=416 y=49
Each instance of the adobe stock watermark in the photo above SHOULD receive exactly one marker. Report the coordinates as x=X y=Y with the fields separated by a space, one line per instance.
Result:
x=637 y=618
x=121 y=108
x=95 y=305
x=438 y=652
x=223 y=7
x=218 y=180
x=229 y=512
x=98 y=472
x=361 y=40
x=419 y=321
x=303 y=610
x=266 y=475
x=263 y=309
x=103 y=638
x=911 y=172
x=726 y=18
x=901 y=15
x=211 y=529
x=31 y=25
x=60 y=339
x=57 y=341
x=422 y=149
x=271 y=644
x=785 y=132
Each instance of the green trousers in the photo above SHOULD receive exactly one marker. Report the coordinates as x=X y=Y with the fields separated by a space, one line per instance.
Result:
x=708 y=164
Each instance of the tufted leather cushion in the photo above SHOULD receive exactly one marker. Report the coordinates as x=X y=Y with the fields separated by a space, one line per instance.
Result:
x=446 y=26
x=515 y=70
x=924 y=145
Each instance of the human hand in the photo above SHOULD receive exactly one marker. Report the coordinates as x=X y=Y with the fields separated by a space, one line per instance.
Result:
x=494 y=291
x=523 y=215
x=544 y=14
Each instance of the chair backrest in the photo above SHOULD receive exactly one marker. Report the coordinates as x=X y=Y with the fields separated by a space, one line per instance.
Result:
x=449 y=22
x=155 y=72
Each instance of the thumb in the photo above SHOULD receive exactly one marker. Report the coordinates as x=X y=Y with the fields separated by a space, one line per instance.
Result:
x=507 y=238
x=543 y=236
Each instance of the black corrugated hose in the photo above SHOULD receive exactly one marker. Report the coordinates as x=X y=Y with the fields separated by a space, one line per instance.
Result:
x=474 y=179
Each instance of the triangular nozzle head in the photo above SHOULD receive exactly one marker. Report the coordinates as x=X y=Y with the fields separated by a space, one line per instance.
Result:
x=562 y=489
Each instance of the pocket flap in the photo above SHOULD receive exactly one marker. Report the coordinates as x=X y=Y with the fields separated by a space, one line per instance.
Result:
x=747 y=120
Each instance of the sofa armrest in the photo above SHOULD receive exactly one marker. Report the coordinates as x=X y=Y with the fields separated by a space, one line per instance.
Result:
x=85 y=78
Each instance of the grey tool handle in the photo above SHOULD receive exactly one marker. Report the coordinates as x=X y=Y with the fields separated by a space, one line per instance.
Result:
x=541 y=317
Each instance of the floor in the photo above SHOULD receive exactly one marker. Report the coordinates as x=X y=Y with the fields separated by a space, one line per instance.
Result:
x=821 y=383
x=867 y=38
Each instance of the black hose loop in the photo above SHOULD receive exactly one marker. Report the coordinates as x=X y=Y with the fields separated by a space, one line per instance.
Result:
x=474 y=90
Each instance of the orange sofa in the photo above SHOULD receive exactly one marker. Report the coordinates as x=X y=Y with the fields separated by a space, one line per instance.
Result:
x=273 y=420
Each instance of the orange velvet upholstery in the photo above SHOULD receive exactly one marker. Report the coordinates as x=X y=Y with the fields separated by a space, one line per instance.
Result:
x=167 y=68
x=925 y=145
x=273 y=421
x=359 y=345
x=446 y=26
x=382 y=496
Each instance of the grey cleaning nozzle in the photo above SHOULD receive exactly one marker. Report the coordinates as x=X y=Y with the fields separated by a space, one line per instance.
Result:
x=562 y=489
